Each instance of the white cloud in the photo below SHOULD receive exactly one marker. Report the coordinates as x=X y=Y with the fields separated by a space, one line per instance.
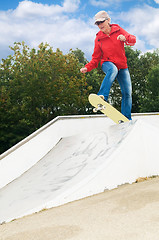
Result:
x=144 y=23
x=31 y=9
x=27 y=9
x=35 y=23
x=57 y=25
x=97 y=3
x=102 y=3
x=71 y=6
x=157 y=1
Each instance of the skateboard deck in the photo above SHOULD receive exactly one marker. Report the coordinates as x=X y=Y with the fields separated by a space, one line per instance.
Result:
x=106 y=108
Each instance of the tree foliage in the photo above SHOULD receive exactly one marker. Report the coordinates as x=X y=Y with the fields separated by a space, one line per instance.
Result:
x=147 y=64
x=150 y=102
x=36 y=85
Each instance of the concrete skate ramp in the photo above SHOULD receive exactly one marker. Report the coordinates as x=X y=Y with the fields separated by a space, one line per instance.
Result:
x=84 y=164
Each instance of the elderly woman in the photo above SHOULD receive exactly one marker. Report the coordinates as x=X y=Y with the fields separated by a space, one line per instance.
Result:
x=109 y=49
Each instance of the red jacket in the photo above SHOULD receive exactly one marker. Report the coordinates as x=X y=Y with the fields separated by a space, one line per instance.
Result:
x=108 y=48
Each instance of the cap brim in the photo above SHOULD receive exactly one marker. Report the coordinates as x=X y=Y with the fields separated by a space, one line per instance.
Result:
x=99 y=19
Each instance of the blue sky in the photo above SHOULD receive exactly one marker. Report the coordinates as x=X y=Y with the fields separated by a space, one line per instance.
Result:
x=67 y=24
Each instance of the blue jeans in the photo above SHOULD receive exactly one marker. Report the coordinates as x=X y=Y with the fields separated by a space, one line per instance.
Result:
x=123 y=77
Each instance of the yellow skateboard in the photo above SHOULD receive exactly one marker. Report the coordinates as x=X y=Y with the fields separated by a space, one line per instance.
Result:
x=106 y=108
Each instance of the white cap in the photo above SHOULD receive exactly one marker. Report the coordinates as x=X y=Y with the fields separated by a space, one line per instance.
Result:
x=101 y=16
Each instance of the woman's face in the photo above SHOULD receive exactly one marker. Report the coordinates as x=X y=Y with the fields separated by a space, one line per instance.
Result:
x=104 y=26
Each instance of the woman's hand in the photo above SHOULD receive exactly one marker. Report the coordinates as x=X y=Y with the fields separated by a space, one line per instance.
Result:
x=121 y=38
x=83 y=70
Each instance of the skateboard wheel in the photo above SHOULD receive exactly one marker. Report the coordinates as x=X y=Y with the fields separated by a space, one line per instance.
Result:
x=120 y=121
x=95 y=110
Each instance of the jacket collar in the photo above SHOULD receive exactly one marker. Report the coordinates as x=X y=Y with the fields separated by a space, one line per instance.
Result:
x=114 y=28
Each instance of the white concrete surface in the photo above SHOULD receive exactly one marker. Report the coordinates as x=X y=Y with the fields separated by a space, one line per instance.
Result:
x=71 y=158
x=29 y=151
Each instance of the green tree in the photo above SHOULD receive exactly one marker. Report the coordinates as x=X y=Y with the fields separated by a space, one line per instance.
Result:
x=139 y=66
x=36 y=86
x=150 y=102
x=148 y=61
x=79 y=55
x=133 y=59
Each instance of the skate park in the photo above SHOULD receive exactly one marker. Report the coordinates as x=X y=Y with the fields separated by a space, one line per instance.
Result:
x=73 y=158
